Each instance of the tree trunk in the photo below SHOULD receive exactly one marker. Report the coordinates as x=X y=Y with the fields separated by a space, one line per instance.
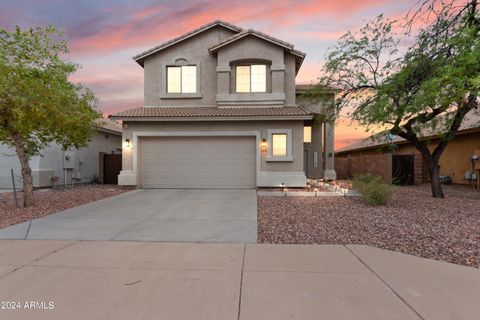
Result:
x=434 y=173
x=26 y=170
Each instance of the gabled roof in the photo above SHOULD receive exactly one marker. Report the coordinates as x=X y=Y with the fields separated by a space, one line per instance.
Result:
x=140 y=57
x=471 y=121
x=173 y=113
x=250 y=32
x=255 y=33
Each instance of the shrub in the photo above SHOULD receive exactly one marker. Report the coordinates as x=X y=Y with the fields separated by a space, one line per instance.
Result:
x=374 y=190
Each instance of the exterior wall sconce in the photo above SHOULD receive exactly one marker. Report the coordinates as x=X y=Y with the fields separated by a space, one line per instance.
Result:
x=263 y=145
x=127 y=143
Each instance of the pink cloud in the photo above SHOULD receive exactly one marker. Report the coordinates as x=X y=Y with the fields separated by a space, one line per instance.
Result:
x=158 y=23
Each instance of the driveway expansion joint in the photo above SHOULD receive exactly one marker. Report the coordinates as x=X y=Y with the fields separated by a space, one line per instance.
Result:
x=241 y=281
x=29 y=225
x=386 y=284
x=36 y=259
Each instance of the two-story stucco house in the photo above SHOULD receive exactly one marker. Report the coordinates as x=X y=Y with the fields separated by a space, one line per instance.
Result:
x=220 y=112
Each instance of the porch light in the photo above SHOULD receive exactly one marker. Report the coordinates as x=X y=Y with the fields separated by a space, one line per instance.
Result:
x=127 y=143
x=263 y=145
x=284 y=186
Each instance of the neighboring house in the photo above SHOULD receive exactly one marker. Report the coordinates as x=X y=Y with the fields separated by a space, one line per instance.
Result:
x=375 y=155
x=86 y=165
x=220 y=112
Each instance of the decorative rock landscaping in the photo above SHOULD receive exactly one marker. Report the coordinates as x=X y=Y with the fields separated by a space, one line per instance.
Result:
x=413 y=222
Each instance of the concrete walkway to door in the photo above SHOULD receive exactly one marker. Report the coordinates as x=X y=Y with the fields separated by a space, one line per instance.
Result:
x=173 y=215
x=151 y=280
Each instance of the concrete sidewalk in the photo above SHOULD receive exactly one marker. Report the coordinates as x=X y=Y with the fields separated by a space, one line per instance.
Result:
x=148 y=280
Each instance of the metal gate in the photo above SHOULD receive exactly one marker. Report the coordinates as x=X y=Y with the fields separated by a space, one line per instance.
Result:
x=402 y=170
x=112 y=164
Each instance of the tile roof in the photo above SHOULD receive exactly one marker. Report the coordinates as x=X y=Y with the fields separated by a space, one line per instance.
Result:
x=164 y=45
x=241 y=33
x=470 y=121
x=108 y=125
x=212 y=112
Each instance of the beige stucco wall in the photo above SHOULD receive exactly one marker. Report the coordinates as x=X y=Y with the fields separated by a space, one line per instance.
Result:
x=290 y=74
x=195 y=51
x=50 y=163
x=262 y=126
x=280 y=89
x=313 y=147
x=216 y=71
x=454 y=161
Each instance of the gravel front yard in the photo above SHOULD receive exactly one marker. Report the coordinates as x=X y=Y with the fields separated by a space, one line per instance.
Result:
x=51 y=201
x=413 y=222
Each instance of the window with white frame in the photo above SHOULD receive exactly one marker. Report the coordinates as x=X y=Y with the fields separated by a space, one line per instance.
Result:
x=307 y=134
x=251 y=78
x=182 y=79
x=279 y=144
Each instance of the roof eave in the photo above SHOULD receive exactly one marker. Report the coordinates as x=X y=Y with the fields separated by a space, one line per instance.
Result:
x=284 y=45
x=399 y=142
x=234 y=118
x=140 y=57
x=106 y=130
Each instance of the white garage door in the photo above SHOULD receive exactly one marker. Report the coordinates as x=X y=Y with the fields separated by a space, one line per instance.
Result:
x=197 y=162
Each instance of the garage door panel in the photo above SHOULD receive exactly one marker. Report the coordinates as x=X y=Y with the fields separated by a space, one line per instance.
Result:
x=197 y=162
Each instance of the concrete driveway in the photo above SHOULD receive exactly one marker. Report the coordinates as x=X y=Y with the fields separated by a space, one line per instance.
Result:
x=152 y=215
x=138 y=280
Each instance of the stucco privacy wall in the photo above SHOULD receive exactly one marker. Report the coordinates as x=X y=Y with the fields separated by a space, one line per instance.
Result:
x=86 y=159
x=9 y=160
x=455 y=160
x=194 y=51
x=272 y=171
x=50 y=163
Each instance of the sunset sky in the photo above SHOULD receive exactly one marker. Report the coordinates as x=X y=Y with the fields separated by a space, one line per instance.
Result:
x=104 y=35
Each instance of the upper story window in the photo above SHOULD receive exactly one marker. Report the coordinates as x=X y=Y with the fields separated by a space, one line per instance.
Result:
x=251 y=78
x=182 y=79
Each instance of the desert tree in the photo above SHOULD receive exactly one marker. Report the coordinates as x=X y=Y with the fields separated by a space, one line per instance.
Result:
x=413 y=85
x=38 y=103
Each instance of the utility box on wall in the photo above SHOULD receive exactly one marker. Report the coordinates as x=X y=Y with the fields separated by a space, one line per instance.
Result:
x=476 y=162
x=69 y=160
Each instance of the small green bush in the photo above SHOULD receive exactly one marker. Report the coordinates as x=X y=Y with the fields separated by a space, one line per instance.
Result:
x=375 y=192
